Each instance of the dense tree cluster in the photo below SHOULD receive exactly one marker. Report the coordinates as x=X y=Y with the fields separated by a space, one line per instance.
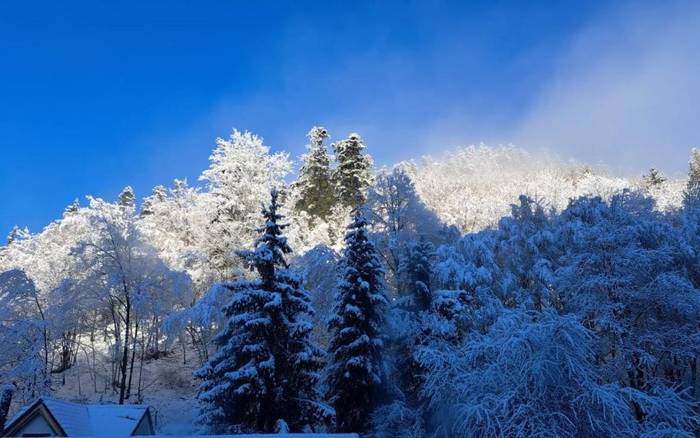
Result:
x=489 y=293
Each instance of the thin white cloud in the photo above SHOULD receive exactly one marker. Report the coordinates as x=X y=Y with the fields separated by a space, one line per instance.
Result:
x=627 y=92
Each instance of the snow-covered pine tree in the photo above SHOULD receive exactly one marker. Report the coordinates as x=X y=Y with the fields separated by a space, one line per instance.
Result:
x=354 y=375
x=690 y=214
x=13 y=235
x=159 y=194
x=653 y=178
x=691 y=196
x=412 y=331
x=127 y=197
x=263 y=376
x=72 y=208
x=316 y=194
x=417 y=269
x=353 y=174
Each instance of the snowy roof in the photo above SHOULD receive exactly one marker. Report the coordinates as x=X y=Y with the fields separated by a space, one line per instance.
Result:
x=89 y=420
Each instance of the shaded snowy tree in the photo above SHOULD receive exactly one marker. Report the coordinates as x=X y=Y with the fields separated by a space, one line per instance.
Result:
x=418 y=270
x=263 y=375
x=525 y=250
x=24 y=332
x=408 y=329
x=536 y=374
x=398 y=420
x=353 y=173
x=318 y=268
x=397 y=217
x=46 y=260
x=355 y=370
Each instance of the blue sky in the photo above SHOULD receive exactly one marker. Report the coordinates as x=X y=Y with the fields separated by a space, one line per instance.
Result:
x=98 y=95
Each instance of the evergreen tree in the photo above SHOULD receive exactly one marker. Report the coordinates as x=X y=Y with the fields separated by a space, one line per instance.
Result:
x=353 y=174
x=127 y=197
x=355 y=376
x=263 y=376
x=414 y=322
x=72 y=208
x=15 y=233
x=316 y=195
x=417 y=269
x=653 y=178
x=160 y=194
x=691 y=196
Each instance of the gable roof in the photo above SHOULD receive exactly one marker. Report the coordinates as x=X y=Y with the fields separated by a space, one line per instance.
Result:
x=87 y=420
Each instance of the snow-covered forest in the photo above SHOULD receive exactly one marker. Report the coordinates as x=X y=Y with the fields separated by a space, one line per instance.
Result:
x=487 y=292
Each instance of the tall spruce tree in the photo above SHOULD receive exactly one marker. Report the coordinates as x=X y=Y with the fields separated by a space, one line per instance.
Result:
x=316 y=193
x=416 y=266
x=263 y=376
x=159 y=195
x=408 y=343
x=15 y=233
x=691 y=196
x=71 y=209
x=355 y=376
x=353 y=173
x=126 y=197
x=653 y=178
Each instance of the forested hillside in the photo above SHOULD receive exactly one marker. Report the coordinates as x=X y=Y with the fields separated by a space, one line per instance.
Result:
x=486 y=292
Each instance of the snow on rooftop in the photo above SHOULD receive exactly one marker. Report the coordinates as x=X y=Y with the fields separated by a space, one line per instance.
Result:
x=91 y=420
x=120 y=419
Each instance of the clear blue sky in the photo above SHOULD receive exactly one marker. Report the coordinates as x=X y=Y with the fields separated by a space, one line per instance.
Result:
x=98 y=95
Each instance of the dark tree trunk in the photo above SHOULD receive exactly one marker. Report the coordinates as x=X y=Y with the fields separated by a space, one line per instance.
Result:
x=133 y=356
x=125 y=356
x=117 y=345
x=156 y=350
